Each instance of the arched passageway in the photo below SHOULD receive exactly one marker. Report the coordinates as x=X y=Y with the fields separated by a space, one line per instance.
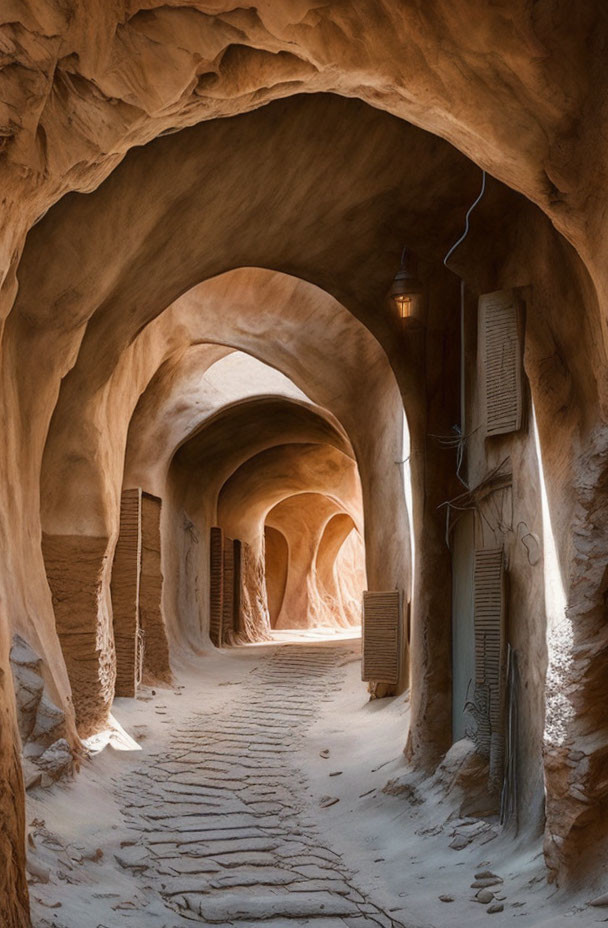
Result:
x=311 y=596
x=207 y=389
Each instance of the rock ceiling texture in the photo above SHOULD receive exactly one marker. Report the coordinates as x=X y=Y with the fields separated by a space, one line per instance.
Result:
x=143 y=150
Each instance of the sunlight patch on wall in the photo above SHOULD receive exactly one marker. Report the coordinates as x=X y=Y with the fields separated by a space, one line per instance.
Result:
x=407 y=486
x=559 y=710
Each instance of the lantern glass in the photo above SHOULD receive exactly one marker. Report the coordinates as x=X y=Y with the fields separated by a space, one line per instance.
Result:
x=404 y=303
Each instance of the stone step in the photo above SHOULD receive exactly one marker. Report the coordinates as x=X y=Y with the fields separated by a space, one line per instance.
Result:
x=249 y=908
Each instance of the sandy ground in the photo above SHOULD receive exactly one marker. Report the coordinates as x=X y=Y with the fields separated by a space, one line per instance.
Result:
x=88 y=852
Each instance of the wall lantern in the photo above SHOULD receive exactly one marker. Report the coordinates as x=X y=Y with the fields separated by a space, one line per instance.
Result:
x=407 y=289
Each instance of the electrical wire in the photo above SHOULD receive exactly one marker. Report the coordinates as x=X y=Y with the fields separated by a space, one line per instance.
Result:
x=463 y=498
x=466 y=221
x=460 y=443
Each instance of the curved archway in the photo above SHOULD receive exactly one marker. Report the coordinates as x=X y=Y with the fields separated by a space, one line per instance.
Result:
x=265 y=484
x=186 y=324
x=341 y=586
x=172 y=410
x=364 y=292
x=431 y=413
x=310 y=598
x=542 y=169
x=206 y=464
x=453 y=94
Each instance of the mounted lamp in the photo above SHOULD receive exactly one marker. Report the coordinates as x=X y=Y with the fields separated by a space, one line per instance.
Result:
x=406 y=289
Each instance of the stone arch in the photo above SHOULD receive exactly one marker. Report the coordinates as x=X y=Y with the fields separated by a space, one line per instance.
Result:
x=171 y=411
x=556 y=157
x=367 y=294
x=196 y=478
x=92 y=680
x=335 y=535
x=453 y=94
x=266 y=482
x=311 y=598
x=366 y=290
x=169 y=337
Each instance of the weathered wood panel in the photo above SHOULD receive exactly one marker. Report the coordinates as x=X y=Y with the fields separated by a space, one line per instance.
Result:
x=228 y=592
x=489 y=610
x=156 y=666
x=500 y=362
x=126 y=571
x=381 y=636
x=216 y=585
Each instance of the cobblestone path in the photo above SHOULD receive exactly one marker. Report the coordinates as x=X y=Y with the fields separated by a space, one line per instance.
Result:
x=220 y=820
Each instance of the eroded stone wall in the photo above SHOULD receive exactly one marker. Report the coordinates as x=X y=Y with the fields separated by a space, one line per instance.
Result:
x=13 y=884
x=76 y=567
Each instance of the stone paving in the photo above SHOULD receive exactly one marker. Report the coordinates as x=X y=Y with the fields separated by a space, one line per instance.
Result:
x=220 y=823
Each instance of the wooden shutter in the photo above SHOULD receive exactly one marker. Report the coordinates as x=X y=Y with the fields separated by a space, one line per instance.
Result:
x=216 y=585
x=156 y=667
x=228 y=595
x=500 y=362
x=381 y=636
x=126 y=571
x=489 y=612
